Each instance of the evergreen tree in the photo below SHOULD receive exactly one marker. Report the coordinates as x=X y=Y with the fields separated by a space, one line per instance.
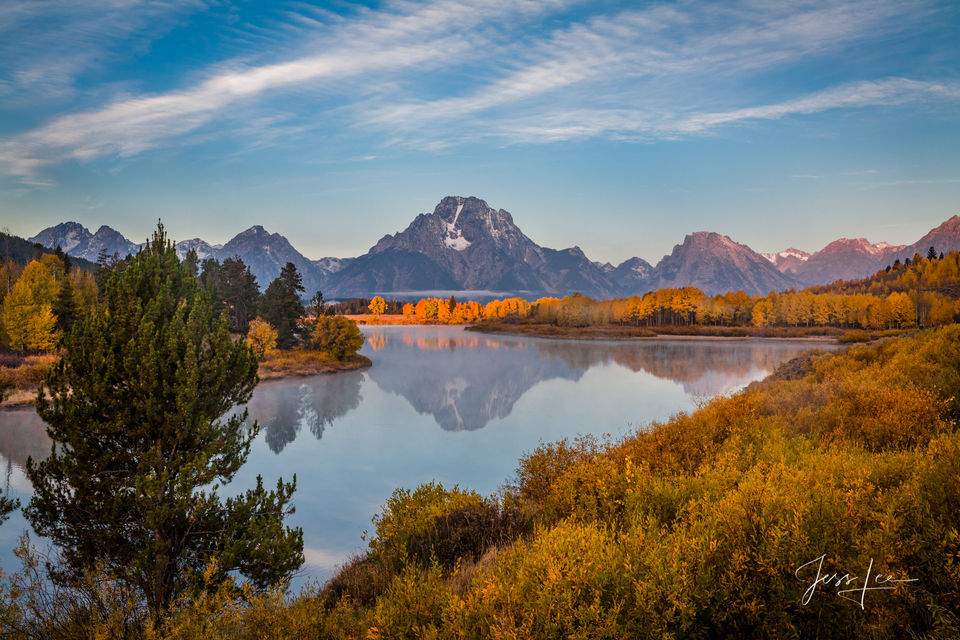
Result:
x=318 y=307
x=191 y=262
x=65 y=307
x=931 y=254
x=63 y=258
x=136 y=412
x=282 y=307
x=232 y=287
x=106 y=264
x=239 y=293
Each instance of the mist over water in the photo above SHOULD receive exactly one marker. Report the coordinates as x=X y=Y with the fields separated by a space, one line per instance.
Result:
x=439 y=403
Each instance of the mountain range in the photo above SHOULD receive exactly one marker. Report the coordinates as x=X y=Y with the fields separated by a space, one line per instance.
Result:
x=466 y=246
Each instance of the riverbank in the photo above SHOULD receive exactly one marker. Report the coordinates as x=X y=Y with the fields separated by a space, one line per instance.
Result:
x=396 y=319
x=21 y=376
x=630 y=332
x=23 y=379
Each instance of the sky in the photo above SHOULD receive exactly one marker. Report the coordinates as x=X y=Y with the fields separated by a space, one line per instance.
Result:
x=618 y=127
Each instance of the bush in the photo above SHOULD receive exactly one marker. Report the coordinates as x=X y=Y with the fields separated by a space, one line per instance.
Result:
x=337 y=335
x=262 y=338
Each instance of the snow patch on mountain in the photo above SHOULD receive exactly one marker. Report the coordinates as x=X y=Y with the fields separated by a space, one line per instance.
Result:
x=778 y=257
x=453 y=238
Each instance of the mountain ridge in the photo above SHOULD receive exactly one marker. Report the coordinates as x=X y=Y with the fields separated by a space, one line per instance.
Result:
x=467 y=245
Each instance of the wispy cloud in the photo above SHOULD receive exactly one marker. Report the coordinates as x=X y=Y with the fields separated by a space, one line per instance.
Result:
x=405 y=36
x=664 y=71
x=46 y=44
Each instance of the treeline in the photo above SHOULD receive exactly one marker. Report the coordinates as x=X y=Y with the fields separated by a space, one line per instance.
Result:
x=691 y=307
x=917 y=293
x=40 y=301
x=359 y=306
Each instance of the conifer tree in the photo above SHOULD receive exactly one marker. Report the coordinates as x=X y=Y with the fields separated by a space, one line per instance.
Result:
x=136 y=412
x=282 y=307
x=65 y=307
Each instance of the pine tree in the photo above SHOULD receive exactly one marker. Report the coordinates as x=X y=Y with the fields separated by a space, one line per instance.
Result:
x=191 y=262
x=239 y=292
x=136 y=412
x=318 y=307
x=65 y=307
x=282 y=307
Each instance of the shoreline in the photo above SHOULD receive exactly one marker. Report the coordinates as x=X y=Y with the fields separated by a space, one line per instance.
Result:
x=283 y=366
x=623 y=334
x=303 y=364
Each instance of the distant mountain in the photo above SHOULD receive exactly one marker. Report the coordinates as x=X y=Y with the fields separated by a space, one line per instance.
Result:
x=22 y=251
x=467 y=245
x=266 y=253
x=716 y=264
x=844 y=259
x=631 y=276
x=943 y=238
x=787 y=261
x=852 y=259
x=203 y=249
x=76 y=240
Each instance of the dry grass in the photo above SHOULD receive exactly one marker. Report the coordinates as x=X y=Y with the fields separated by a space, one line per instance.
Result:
x=23 y=375
x=303 y=362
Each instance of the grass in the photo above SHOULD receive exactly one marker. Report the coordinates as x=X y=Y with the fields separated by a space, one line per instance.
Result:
x=304 y=362
x=20 y=376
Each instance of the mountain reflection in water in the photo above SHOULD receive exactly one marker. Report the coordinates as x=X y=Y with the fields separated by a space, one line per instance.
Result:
x=464 y=380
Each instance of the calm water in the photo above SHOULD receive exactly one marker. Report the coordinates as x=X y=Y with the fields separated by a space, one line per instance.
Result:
x=440 y=403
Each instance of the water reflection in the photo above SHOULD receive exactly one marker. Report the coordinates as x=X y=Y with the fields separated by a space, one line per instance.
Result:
x=462 y=380
x=282 y=407
x=465 y=380
x=22 y=435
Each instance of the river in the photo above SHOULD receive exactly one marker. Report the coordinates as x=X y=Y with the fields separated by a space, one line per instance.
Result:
x=440 y=403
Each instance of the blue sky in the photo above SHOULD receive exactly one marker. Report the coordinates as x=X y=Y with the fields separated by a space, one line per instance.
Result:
x=616 y=126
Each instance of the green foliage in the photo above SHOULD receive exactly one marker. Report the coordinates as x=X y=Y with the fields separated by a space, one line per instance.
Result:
x=318 y=307
x=232 y=287
x=135 y=411
x=337 y=335
x=445 y=526
x=282 y=307
x=65 y=307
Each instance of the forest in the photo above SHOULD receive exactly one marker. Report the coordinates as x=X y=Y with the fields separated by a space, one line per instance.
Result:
x=43 y=294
